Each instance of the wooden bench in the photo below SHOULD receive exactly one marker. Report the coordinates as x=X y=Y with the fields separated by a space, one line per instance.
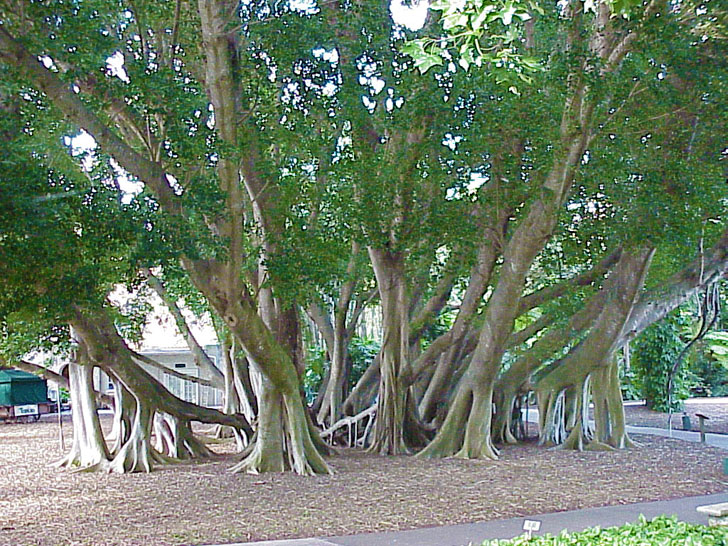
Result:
x=717 y=513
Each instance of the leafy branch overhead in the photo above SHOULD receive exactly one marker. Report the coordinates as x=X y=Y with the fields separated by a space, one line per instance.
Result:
x=490 y=34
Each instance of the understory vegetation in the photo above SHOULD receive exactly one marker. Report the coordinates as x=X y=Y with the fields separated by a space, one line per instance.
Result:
x=661 y=531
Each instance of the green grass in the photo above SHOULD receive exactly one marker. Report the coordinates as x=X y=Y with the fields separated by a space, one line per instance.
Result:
x=661 y=531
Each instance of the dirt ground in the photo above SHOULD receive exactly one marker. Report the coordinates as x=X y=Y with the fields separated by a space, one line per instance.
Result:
x=716 y=409
x=202 y=503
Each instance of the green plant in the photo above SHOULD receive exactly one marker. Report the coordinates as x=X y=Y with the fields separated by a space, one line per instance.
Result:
x=362 y=351
x=656 y=352
x=713 y=373
x=313 y=376
x=662 y=531
x=628 y=383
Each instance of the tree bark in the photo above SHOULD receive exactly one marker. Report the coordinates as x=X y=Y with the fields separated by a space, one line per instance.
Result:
x=388 y=435
x=595 y=354
x=88 y=448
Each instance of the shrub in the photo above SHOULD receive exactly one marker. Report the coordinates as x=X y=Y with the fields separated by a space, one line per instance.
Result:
x=656 y=352
x=661 y=531
x=362 y=352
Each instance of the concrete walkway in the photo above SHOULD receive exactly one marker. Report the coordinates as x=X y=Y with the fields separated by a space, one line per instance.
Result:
x=712 y=439
x=716 y=440
x=476 y=533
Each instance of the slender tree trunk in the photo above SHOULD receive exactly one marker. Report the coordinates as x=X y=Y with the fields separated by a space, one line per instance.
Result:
x=580 y=434
x=335 y=388
x=88 y=448
x=123 y=410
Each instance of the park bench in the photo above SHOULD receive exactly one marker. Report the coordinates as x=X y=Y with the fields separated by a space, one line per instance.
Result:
x=717 y=513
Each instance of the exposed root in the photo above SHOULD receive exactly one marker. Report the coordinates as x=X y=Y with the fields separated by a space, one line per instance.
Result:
x=259 y=460
x=283 y=440
x=449 y=439
x=599 y=446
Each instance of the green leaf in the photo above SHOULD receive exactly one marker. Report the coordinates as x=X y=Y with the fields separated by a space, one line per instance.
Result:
x=425 y=62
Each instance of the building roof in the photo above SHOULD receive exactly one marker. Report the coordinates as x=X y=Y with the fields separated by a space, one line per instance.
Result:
x=8 y=375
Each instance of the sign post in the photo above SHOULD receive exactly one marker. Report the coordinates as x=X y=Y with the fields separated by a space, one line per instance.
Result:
x=530 y=526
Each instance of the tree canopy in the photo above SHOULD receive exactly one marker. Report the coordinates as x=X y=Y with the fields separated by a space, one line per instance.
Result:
x=519 y=188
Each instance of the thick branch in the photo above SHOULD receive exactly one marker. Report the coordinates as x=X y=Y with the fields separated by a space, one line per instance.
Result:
x=550 y=293
x=658 y=302
x=61 y=94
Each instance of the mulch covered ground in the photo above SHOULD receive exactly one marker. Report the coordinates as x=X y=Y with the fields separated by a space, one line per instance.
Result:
x=202 y=503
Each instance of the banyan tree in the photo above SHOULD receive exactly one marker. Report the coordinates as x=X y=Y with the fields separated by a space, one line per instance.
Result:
x=517 y=189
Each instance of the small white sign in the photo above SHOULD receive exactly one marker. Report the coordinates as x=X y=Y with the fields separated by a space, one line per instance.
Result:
x=530 y=526
x=27 y=409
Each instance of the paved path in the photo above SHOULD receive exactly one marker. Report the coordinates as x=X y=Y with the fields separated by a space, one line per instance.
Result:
x=476 y=533
x=716 y=440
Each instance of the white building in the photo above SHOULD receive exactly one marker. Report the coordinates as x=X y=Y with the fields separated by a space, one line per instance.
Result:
x=180 y=360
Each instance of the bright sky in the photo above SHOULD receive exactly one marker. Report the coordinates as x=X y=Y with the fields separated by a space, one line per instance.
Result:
x=411 y=17
x=160 y=331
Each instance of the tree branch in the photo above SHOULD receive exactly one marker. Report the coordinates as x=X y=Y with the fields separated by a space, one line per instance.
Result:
x=60 y=93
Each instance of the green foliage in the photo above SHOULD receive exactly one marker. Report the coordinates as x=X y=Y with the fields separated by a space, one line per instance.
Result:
x=712 y=377
x=655 y=353
x=661 y=531
x=442 y=323
x=313 y=376
x=628 y=383
x=489 y=33
x=362 y=352
x=709 y=358
x=479 y=33
x=716 y=345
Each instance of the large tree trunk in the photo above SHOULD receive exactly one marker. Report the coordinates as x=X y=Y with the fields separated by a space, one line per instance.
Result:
x=107 y=350
x=265 y=337
x=529 y=238
x=388 y=435
x=280 y=444
x=500 y=316
x=517 y=378
x=608 y=407
x=595 y=354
